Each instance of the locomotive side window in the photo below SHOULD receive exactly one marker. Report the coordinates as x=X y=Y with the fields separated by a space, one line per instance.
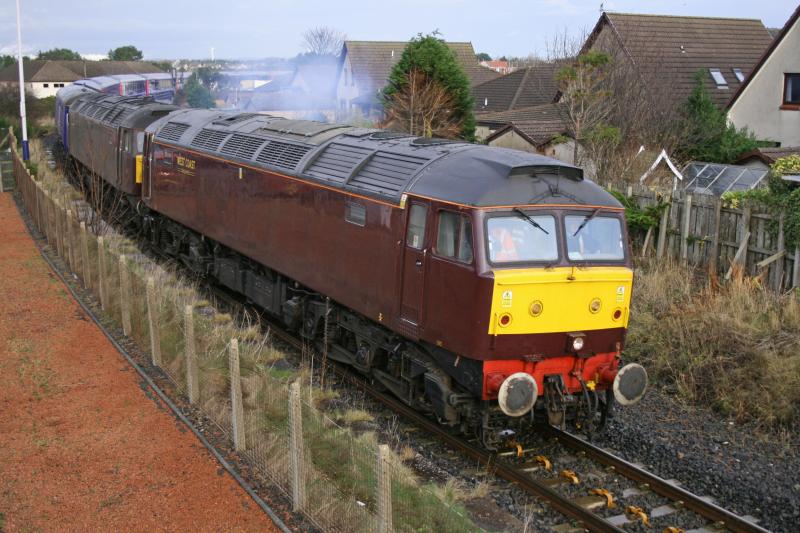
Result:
x=415 y=237
x=454 y=237
x=518 y=238
x=356 y=214
x=594 y=239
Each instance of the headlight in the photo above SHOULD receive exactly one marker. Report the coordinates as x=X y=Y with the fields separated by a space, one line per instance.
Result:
x=577 y=344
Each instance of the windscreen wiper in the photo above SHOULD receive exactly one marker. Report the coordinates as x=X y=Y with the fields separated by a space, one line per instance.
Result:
x=586 y=220
x=529 y=219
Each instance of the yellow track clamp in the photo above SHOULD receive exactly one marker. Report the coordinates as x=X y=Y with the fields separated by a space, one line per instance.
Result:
x=570 y=475
x=672 y=529
x=639 y=513
x=607 y=495
x=544 y=461
x=514 y=444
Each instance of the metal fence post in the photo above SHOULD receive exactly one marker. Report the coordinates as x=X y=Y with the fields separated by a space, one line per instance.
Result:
x=296 y=446
x=384 y=476
x=101 y=272
x=237 y=409
x=192 y=383
x=87 y=268
x=124 y=295
x=152 y=319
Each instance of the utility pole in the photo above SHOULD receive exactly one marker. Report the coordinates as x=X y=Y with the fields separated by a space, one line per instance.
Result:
x=25 y=152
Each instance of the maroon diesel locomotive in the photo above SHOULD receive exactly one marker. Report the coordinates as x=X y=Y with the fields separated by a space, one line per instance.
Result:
x=482 y=285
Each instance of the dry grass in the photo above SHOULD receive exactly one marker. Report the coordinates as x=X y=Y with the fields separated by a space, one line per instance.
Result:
x=734 y=346
x=353 y=416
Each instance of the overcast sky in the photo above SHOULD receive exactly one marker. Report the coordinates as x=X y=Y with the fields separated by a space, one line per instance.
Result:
x=269 y=28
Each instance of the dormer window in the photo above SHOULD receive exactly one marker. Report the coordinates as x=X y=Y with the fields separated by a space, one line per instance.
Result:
x=739 y=74
x=791 y=91
x=719 y=79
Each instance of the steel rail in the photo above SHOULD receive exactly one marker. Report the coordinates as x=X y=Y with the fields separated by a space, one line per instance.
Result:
x=660 y=486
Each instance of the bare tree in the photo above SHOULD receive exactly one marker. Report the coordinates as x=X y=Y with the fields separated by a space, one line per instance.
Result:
x=639 y=103
x=423 y=107
x=323 y=41
x=584 y=98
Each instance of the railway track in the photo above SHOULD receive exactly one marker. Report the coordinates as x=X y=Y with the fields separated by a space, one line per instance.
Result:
x=597 y=509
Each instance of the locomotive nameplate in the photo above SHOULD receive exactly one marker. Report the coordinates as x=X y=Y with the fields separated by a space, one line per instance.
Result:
x=185 y=164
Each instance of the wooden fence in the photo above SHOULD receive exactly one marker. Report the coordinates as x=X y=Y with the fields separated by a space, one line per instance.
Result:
x=698 y=230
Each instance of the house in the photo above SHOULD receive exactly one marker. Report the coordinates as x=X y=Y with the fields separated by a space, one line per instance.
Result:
x=667 y=52
x=768 y=102
x=525 y=87
x=44 y=78
x=308 y=94
x=541 y=129
x=364 y=68
x=499 y=65
x=763 y=158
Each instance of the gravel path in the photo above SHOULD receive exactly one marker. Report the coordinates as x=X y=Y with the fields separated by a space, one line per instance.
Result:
x=743 y=469
x=82 y=446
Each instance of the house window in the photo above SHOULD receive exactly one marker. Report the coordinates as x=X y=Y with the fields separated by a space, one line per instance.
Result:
x=454 y=239
x=719 y=79
x=739 y=74
x=45 y=85
x=356 y=214
x=791 y=90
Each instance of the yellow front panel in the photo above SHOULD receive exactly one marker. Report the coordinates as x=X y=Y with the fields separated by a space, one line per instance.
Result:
x=138 y=169
x=564 y=296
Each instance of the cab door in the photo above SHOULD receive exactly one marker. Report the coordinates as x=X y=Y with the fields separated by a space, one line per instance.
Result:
x=125 y=163
x=415 y=255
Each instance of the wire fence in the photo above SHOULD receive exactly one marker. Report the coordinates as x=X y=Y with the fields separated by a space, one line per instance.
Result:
x=341 y=479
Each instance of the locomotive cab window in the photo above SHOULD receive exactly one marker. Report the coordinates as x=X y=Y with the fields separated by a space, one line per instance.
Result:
x=415 y=236
x=594 y=238
x=454 y=238
x=522 y=238
x=356 y=214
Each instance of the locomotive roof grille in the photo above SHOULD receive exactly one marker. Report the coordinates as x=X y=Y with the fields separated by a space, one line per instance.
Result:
x=337 y=162
x=387 y=173
x=209 y=139
x=172 y=131
x=282 y=155
x=116 y=119
x=242 y=146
